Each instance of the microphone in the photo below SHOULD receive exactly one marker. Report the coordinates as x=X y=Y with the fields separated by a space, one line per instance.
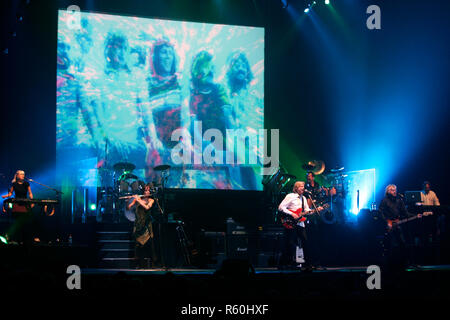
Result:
x=307 y=192
x=401 y=195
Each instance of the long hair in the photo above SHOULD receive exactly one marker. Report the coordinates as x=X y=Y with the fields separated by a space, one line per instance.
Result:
x=155 y=63
x=387 y=188
x=201 y=62
x=232 y=59
x=115 y=39
x=14 y=180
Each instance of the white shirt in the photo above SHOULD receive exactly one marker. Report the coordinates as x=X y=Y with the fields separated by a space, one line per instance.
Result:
x=429 y=199
x=293 y=202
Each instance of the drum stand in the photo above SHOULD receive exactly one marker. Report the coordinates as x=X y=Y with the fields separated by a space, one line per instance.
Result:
x=182 y=240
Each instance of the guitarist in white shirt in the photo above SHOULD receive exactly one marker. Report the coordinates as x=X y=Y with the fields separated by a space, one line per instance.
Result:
x=292 y=202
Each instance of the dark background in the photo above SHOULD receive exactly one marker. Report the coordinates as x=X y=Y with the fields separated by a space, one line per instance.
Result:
x=336 y=90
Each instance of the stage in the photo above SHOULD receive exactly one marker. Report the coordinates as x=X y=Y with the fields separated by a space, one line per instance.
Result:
x=237 y=283
x=224 y=141
x=259 y=271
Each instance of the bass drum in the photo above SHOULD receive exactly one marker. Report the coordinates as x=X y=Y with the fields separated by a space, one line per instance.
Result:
x=130 y=214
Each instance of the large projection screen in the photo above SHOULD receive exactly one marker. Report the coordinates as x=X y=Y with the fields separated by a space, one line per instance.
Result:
x=151 y=92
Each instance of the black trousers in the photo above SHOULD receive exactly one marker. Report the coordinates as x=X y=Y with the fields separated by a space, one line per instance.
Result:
x=295 y=237
x=21 y=229
x=396 y=255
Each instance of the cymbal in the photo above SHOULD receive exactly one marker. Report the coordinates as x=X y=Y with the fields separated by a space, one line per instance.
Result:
x=315 y=166
x=161 y=167
x=124 y=166
x=337 y=169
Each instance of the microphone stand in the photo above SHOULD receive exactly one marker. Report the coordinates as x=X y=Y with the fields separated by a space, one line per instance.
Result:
x=411 y=253
x=57 y=191
x=314 y=205
x=162 y=246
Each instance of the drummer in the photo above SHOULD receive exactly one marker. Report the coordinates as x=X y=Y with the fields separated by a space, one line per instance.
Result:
x=311 y=185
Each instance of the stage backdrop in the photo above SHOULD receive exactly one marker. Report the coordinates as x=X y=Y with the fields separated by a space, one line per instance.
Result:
x=125 y=85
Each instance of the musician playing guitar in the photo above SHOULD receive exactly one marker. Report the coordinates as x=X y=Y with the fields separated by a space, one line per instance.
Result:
x=21 y=213
x=393 y=211
x=296 y=206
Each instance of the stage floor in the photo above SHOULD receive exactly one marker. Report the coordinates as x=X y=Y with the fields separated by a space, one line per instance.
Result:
x=261 y=271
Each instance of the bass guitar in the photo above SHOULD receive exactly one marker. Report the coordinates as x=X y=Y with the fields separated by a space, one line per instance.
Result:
x=391 y=223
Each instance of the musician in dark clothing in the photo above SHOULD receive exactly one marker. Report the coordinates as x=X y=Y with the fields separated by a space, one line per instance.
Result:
x=21 y=214
x=311 y=185
x=317 y=192
x=143 y=228
x=392 y=208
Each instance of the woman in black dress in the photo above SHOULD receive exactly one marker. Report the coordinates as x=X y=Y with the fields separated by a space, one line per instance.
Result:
x=143 y=229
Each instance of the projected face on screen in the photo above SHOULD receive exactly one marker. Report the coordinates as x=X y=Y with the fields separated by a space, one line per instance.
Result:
x=126 y=88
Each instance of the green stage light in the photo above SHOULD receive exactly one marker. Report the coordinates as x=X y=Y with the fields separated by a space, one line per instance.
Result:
x=93 y=206
x=327 y=1
x=3 y=240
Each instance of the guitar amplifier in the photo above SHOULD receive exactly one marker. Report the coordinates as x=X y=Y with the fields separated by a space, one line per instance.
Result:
x=269 y=246
x=238 y=245
x=212 y=248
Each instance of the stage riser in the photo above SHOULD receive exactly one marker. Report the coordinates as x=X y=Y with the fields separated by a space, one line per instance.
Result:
x=116 y=244
x=118 y=264
x=117 y=253
x=113 y=235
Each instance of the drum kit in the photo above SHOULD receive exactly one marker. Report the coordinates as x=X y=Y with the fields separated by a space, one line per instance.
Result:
x=123 y=186
x=334 y=188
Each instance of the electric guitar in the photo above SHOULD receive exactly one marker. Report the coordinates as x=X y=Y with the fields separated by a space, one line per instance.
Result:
x=289 y=222
x=391 y=223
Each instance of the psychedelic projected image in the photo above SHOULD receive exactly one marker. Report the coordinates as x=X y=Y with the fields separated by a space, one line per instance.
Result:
x=148 y=91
